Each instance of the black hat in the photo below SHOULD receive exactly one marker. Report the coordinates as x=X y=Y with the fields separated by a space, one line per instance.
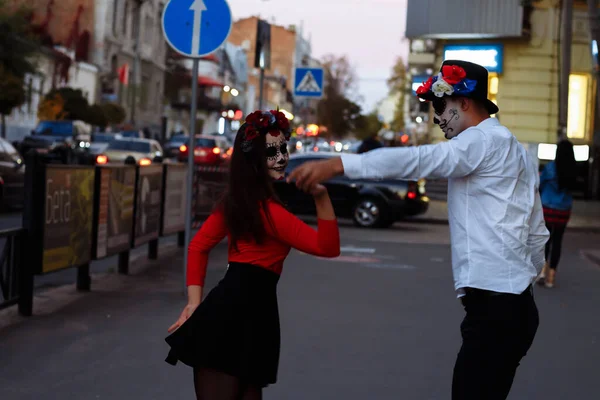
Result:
x=459 y=79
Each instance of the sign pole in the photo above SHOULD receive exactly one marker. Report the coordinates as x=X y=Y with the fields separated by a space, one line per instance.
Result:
x=194 y=31
x=190 y=182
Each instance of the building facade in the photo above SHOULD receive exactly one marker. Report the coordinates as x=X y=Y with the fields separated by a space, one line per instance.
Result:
x=130 y=51
x=65 y=30
x=522 y=53
x=519 y=43
x=279 y=77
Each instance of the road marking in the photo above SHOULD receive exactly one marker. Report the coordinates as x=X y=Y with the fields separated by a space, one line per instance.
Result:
x=437 y=259
x=390 y=266
x=352 y=249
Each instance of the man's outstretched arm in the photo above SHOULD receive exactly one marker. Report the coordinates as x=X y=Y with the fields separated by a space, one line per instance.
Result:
x=458 y=157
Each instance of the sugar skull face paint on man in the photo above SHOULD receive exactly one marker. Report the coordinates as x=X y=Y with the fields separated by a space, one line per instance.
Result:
x=448 y=115
x=277 y=155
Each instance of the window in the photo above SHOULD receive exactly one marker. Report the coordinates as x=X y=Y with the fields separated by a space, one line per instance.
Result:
x=148 y=30
x=579 y=100
x=130 y=145
x=115 y=16
x=493 y=83
x=125 y=18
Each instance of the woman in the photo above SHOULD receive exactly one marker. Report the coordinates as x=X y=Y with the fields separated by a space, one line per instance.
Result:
x=556 y=182
x=231 y=339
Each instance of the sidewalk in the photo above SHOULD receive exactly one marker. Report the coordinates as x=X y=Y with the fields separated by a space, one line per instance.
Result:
x=585 y=215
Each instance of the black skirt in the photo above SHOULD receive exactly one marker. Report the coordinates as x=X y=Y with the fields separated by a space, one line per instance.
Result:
x=235 y=329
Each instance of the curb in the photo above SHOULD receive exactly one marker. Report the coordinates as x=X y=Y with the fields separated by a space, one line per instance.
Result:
x=53 y=299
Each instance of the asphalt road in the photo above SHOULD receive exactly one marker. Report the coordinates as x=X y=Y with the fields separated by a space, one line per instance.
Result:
x=380 y=322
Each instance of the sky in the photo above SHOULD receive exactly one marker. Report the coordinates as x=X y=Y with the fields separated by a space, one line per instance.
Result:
x=369 y=32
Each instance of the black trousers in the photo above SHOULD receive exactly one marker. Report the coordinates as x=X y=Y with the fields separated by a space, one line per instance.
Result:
x=554 y=243
x=497 y=332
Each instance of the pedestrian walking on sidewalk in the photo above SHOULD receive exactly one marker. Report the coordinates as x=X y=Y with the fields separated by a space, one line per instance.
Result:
x=232 y=337
x=496 y=222
x=556 y=182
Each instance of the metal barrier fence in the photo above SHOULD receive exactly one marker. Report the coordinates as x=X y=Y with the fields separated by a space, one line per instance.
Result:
x=11 y=241
x=76 y=214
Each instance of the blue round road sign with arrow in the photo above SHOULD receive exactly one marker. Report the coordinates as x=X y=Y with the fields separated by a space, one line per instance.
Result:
x=195 y=28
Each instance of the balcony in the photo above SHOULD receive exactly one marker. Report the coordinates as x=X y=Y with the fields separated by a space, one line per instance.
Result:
x=466 y=19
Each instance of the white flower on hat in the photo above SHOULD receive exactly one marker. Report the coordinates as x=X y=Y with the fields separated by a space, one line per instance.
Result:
x=441 y=87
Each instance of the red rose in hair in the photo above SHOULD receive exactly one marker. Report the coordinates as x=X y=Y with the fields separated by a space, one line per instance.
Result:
x=282 y=122
x=250 y=133
x=263 y=121
x=426 y=86
x=274 y=133
x=453 y=74
x=254 y=117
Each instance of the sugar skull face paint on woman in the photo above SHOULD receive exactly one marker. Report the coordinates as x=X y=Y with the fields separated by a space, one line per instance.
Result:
x=277 y=155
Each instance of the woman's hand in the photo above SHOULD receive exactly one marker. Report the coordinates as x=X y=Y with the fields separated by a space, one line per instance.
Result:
x=185 y=314
x=318 y=190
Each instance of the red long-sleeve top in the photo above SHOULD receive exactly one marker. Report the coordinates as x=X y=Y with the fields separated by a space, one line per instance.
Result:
x=283 y=232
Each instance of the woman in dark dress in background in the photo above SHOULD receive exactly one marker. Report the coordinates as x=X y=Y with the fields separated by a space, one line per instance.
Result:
x=232 y=337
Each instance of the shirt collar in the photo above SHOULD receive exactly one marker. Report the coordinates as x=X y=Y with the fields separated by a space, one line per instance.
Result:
x=488 y=123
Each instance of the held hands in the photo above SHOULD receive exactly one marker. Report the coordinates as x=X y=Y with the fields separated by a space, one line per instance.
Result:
x=185 y=314
x=309 y=175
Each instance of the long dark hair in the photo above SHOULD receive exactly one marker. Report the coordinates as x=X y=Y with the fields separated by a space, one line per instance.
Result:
x=566 y=166
x=248 y=190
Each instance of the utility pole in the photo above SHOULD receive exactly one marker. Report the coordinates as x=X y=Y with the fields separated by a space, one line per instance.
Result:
x=136 y=60
x=594 y=167
x=566 y=37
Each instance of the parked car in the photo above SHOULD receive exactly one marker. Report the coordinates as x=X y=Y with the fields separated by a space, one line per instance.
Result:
x=12 y=177
x=370 y=203
x=210 y=150
x=100 y=142
x=65 y=141
x=172 y=146
x=143 y=151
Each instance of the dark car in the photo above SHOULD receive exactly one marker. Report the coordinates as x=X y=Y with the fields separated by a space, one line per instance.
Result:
x=173 y=145
x=370 y=203
x=65 y=141
x=12 y=177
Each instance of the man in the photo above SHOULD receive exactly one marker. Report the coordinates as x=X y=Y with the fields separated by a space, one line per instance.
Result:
x=496 y=222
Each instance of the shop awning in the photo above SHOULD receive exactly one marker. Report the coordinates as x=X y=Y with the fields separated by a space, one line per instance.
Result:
x=208 y=81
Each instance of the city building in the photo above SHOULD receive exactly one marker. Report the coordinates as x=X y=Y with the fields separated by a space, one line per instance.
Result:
x=279 y=77
x=63 y=57
x=519 y=43
x=222 y=91
x=130 y=51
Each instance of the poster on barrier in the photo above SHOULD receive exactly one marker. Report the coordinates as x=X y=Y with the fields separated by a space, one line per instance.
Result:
x=209 y=185
x=175 y=198
x=148 y=204
x=115 y=210
x=68 y=215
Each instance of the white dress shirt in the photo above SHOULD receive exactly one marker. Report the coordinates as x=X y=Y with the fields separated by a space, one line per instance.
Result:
x=495 y=214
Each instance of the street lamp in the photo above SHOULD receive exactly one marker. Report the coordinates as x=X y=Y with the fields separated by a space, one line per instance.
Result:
x=234 y=92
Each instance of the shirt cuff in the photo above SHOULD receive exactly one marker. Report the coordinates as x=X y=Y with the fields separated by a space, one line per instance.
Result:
x=352 y=165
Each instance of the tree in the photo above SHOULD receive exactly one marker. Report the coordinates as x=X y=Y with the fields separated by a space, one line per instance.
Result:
x=12 y=94
x=17 y=45
x=115 y=113
x=51 y=108
x=397 y=88
x=337 y=110
x=15 y=60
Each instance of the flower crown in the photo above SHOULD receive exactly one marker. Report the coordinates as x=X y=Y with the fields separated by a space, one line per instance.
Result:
x=274 y=122
x=451 y=80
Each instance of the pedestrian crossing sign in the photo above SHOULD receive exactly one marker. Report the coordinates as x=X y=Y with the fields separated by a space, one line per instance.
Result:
x=308 y=82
